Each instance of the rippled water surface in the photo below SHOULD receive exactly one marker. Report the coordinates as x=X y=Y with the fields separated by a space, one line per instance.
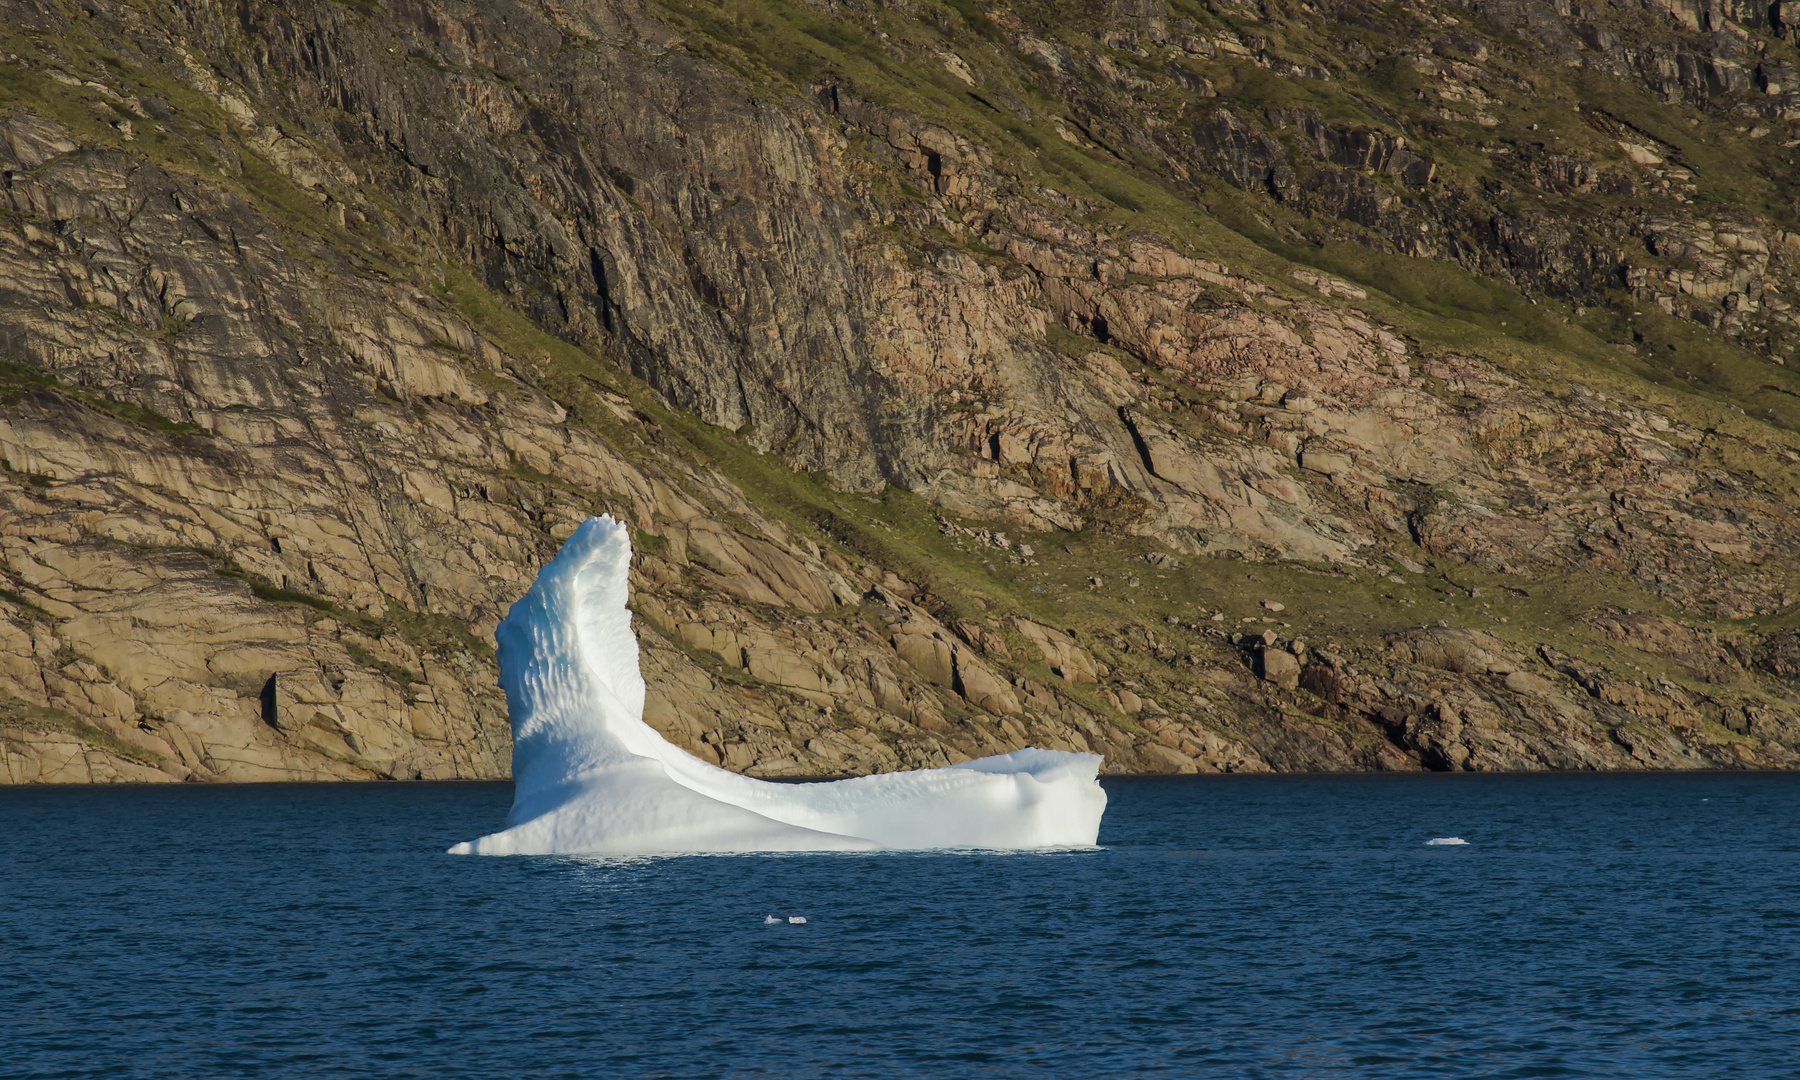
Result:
x=1620 y=926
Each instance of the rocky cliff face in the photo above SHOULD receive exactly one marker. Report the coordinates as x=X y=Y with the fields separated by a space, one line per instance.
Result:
x=1215 y=387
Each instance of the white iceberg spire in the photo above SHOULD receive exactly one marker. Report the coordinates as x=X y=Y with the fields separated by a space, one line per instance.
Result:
x=590 y=776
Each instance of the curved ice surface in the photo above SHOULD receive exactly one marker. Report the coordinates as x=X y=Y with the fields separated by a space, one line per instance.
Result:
x=590 y=776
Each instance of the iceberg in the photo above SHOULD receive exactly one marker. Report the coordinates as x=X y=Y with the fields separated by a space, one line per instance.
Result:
x=589 y=776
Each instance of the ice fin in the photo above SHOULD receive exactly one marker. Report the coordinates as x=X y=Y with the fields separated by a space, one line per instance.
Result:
x=590 y=776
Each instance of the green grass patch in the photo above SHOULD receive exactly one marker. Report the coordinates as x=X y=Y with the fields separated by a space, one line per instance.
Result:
x=23 y=715
x=16 y=379
x=393 y=671
x=648 y=542
x=19 y=600
x=437 y=633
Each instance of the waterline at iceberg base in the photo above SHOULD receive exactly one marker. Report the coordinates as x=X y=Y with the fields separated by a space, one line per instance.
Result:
x=590 y=776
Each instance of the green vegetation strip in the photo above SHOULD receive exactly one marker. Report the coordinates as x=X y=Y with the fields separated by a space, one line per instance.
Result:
x=23 y=715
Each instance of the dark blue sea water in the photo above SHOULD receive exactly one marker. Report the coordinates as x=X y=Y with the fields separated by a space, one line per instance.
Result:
x=1593 y=926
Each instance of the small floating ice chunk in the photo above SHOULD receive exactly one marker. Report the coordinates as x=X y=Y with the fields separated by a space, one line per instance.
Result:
x=1446 y=841
x=796 y=918
x=590 y=776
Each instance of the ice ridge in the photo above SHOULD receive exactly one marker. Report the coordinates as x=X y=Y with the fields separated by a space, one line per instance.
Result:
x=590 y=776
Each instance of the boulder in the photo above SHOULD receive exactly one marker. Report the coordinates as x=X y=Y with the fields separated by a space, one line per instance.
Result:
x=1074 y=663
x=1279 y=667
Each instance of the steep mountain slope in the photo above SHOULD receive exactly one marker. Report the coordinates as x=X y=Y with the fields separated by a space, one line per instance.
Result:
x=1210 y=386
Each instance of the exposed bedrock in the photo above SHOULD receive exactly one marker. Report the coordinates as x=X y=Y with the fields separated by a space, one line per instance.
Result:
x=1223 y=390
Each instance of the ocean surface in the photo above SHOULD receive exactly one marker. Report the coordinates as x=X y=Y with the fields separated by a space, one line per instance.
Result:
x=1592 y=926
